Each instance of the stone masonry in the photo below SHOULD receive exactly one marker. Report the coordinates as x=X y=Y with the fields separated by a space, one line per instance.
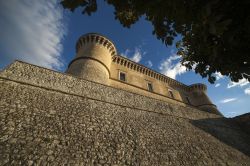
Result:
x=52 y=118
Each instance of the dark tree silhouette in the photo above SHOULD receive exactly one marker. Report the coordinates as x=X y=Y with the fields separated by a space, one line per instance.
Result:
x=215 y=33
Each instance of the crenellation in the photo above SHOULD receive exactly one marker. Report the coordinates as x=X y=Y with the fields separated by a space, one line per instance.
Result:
x=198 y=87
x=97 y=39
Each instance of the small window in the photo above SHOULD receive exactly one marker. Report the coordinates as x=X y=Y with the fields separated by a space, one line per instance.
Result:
x=171 y=93
x=188 y=100
x=150 y=87
x=122 y=76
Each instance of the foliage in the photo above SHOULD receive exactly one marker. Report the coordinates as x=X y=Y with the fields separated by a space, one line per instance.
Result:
x=215 y=34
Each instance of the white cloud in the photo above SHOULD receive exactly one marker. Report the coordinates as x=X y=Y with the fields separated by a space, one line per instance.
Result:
x=125 y=54
x=136 y=56
x=32 y=31
x=218 y=76
x=170 y=69
x=149 y=63
x=247 y=91
x=241 y=83
x=228 y=100
x=217 y=85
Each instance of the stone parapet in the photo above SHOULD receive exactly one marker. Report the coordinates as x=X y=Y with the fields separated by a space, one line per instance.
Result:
x=198 y=87
x=98 y=39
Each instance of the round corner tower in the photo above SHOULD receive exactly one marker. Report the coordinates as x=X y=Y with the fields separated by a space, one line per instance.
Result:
x=200 y=98
x=93 y=58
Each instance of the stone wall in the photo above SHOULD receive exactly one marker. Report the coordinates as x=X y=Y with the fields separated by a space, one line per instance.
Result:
x=42 y=77
x=52 y=118
x=140 y=81
x=138 y=77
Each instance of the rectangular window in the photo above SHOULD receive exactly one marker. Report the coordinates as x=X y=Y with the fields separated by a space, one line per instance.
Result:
x=171 y=93
x=188 y=100
x=150 y=87
x=122 y=76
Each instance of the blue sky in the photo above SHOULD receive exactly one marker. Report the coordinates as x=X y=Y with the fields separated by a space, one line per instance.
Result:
x=42 y=33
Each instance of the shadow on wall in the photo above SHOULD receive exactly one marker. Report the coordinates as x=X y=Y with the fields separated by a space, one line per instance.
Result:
x=227 y=131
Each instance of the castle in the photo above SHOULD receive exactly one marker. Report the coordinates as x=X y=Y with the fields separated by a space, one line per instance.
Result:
x=107 y=110
x=97 y=60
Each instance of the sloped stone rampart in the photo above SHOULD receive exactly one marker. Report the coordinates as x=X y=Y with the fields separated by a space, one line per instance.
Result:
x=44 y=120
x=41 y=77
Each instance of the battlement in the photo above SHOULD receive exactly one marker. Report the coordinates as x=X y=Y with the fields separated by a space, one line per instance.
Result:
x=198 y=87
x=98 y=39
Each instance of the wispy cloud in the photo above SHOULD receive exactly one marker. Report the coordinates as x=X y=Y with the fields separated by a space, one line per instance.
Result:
x=231 y=113
x=241 y=83
x=135 y=55
x=125 y=53
x=149 y=63
x=32 y=31
x=218 y=75
x=217 y=85
x=228 y=100
x=247 y=91
x=171 y=69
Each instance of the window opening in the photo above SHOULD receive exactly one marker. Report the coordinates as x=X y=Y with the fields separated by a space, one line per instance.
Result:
x=171 y=93
x=150 y=87
x=122 y=76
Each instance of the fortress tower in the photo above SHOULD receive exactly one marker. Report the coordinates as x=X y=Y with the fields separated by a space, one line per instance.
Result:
x=201 y=100
x=93 y=58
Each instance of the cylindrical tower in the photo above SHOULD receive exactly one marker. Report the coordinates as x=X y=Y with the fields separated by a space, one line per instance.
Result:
x=198 y=94
x=93 y=58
